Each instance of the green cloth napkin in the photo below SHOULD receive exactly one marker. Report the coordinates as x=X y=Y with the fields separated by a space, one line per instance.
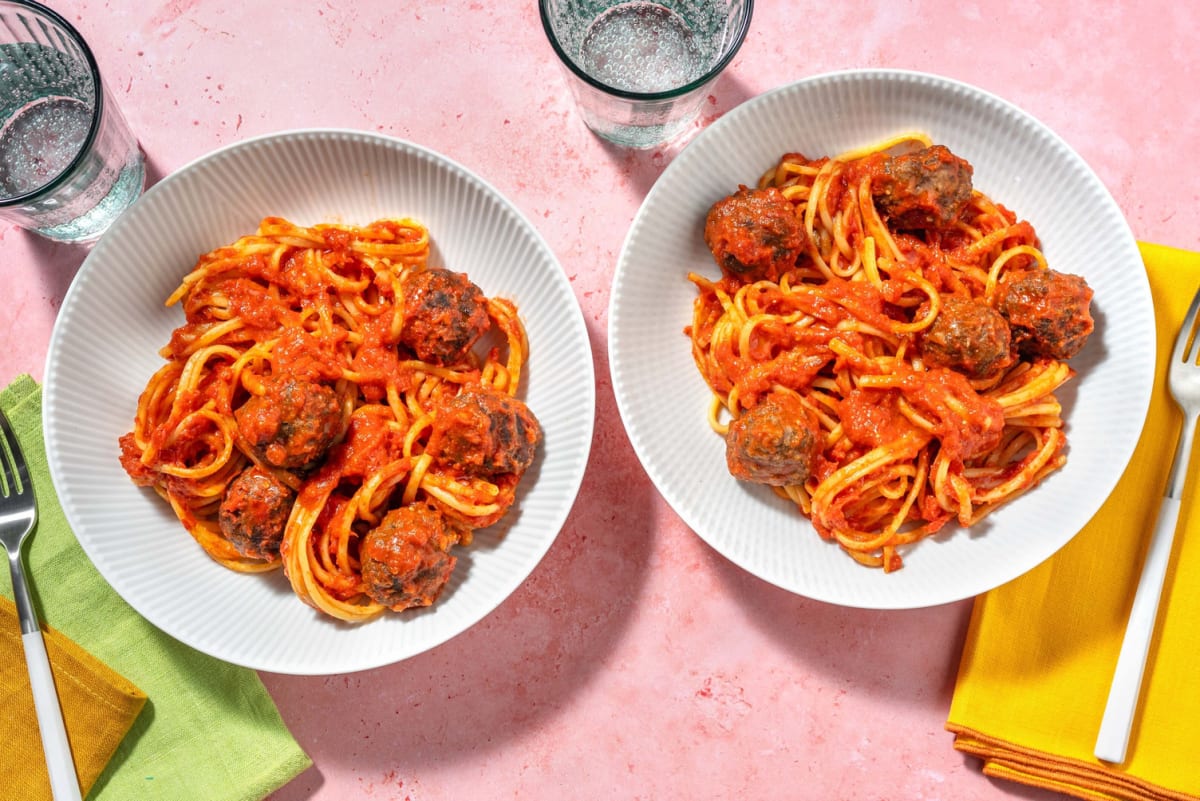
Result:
x=209 y=730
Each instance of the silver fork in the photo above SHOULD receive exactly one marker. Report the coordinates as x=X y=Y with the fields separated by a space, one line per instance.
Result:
x=18 y=514
x=1183 y=379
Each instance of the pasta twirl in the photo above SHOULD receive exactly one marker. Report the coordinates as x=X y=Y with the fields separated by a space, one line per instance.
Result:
x=884 y=343
x=335 y=405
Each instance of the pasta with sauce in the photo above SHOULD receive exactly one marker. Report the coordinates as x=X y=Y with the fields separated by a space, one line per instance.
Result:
x=336 y=406
x=884 y=343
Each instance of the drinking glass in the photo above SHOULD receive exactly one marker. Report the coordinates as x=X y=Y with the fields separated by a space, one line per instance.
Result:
x=639 y=70
x=69 y=164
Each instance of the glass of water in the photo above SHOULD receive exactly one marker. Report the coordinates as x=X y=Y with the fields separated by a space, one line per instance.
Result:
x=639 y=69
x=69 y=164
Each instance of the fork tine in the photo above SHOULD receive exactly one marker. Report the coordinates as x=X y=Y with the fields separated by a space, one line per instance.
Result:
x=8 y=454
x=17 y=457
x=1185 y=342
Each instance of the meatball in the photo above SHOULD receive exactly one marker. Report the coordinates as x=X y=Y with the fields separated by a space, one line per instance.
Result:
x=968 y=336
x=444 y=315
x=485 y=432
x=1049 y=312
x=405 y=559
x=922 y=190
x=293 y=423
x=754 y=234
x=773 y=443
x=255 y=512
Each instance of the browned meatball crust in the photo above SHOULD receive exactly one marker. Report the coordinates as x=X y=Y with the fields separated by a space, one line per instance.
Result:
x=254 y=513
x=921 y=190
x=485 y=432
x=444 y=315
x=968 y=336
x=293 y=423
x=754 y=234
x=405 y=559
x=773 y=443
x=1049 y=312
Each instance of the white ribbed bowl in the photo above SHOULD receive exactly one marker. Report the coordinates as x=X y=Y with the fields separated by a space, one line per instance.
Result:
x=105 y=347
x=1019 y=163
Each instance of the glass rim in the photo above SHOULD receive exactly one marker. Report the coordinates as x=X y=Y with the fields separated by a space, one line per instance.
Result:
x=97 y=110
x=667 y=94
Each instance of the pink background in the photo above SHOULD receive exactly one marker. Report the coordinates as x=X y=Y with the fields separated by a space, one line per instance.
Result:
x=635 y=662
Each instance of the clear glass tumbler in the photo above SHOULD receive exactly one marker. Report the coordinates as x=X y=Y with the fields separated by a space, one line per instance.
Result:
x=639 y=70
x=69 y=164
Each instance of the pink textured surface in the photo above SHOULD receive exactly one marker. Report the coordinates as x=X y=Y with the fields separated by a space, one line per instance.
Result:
x=635 y=663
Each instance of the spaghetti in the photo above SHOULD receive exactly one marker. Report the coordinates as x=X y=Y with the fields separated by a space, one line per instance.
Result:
x=884 y=344
x=335 y=405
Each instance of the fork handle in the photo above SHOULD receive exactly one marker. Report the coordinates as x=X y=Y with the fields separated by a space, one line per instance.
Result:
x=64 y=784
x=1117 y=723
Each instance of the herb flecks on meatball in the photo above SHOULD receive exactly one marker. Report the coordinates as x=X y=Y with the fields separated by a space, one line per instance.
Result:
x=254 y=513
x=968 y=336
x=773 y=443
x=485 y=432
x=1049 y=312
x=293 y=423
x=406 y=560
x=444 y=315
x=754 y=234
x=921 y=190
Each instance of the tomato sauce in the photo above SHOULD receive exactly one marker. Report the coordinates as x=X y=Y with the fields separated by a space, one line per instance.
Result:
x=967 y=423
x=871 y=418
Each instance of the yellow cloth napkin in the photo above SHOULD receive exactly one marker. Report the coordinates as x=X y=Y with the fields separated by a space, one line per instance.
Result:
x=1040 y=651
x=98 y=705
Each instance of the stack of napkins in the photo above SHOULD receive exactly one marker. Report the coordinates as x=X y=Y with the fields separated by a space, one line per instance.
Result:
x=1041 y=650
x=167 y=722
